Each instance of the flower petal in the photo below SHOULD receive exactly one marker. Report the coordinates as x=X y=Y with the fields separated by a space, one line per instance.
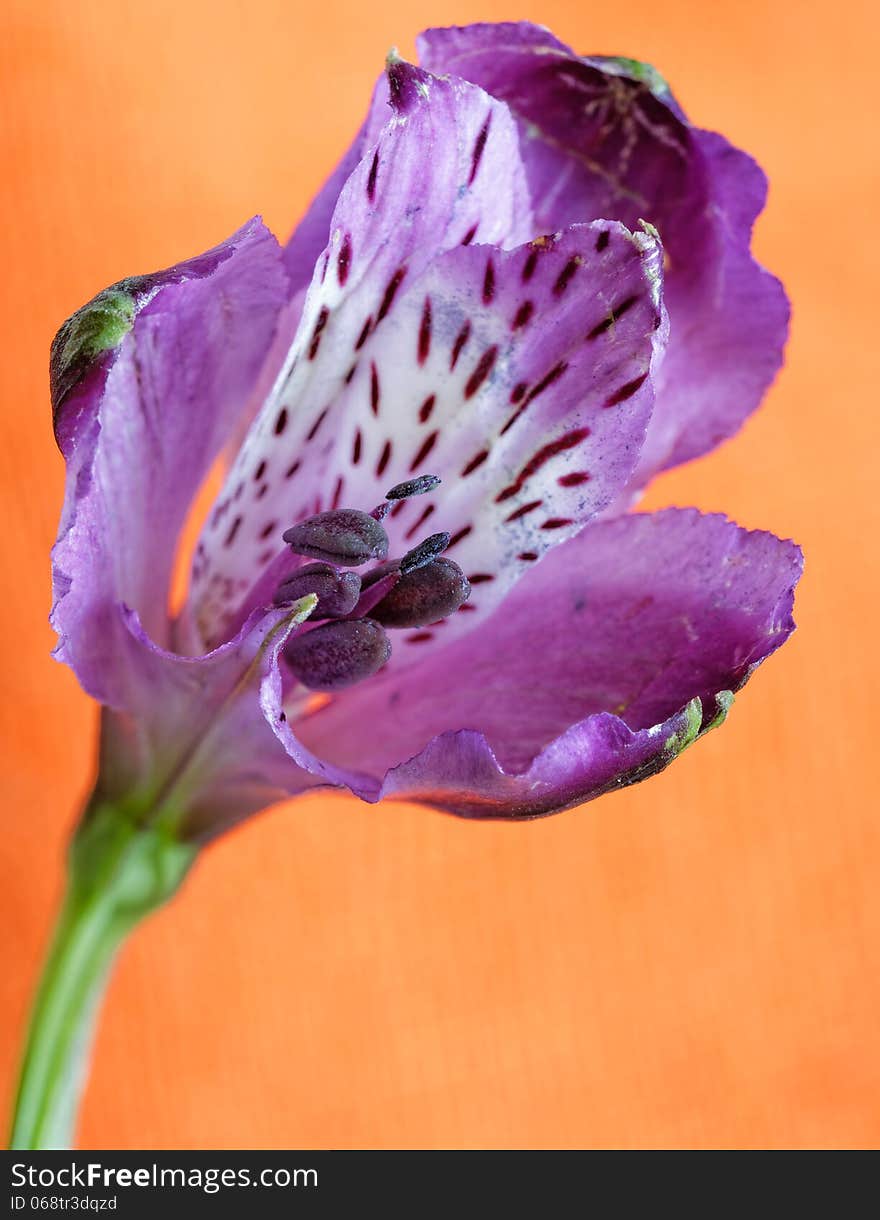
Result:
x=445 y=168
x=458 y=772
x=605 y=137
x=520 y=376
x=614 y=650
x=732 y=318
x=194 y=735
x=148 y=380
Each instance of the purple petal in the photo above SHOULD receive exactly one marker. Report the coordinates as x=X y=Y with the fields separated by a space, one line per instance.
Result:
x=445 y=168
x=195 y=729
x=521 y=377
x=605 y=137
x=731 y=316
x=148 y=382
x=619 y=647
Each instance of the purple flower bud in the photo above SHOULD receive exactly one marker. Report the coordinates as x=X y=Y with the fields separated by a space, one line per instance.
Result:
x=337 y=592
x=346 y=536
x=424 y=595
x=336 y=655
x=427 y=550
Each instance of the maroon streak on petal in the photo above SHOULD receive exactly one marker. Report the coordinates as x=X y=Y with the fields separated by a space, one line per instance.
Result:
x=390 y=293
x=479 y=147
x=460 y=340
x=544 y=454
x=424 y=348
x=481 y=371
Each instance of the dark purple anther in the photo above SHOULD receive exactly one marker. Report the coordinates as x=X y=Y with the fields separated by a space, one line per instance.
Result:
x=427 y=550
x=423 y=596
x=346 y=537
x=336 y=655
x=413 y=487
x=337 y=592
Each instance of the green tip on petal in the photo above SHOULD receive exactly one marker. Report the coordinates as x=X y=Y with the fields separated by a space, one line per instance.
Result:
x=688 y=733
x=694 y=726
x=723 y=704
x=637 y=69
x=97 y=327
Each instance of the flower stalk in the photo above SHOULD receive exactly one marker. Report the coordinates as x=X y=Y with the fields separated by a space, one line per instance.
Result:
x=120 y=869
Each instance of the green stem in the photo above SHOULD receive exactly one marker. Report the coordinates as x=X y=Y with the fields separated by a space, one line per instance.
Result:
x=120 y=871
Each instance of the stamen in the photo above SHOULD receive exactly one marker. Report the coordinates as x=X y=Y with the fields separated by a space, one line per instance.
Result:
x=423 y=595
x=337 y=592
x=336 y=655
x=429 y=549
x=418 y=590
x=413 y=487
x=345 y=536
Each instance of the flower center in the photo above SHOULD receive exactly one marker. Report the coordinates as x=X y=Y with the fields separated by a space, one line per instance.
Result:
x=346 y=639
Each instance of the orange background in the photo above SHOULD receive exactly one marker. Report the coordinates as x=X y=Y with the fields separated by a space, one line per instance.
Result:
x=692 y=963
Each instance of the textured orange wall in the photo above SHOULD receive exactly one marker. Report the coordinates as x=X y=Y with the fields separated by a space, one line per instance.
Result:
x=690 y=963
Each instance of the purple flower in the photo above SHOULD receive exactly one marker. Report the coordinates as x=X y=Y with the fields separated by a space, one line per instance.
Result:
x=435 y=402
x=433 y=410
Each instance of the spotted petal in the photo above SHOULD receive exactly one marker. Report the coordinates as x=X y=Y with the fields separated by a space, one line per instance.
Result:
x=605 y=137
x=616 y=651
x=445 y=170
x=520 y=376
x=148 y=380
